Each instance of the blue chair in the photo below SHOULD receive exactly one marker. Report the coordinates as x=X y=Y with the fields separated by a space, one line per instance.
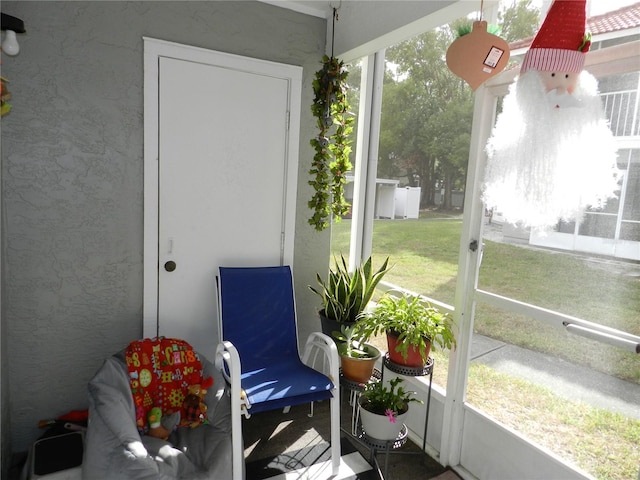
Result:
x=259 y=352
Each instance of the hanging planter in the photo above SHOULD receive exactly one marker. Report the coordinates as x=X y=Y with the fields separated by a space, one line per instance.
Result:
x=332 y=144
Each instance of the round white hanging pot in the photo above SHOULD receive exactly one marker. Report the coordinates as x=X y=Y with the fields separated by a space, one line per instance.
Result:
x=381 y=427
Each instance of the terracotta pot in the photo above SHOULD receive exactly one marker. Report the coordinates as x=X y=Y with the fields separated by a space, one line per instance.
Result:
x=379 y=426
x=359 y=369
x=414 y=359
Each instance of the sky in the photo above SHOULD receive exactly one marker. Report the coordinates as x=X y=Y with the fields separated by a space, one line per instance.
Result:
x=602 y=6
x=597 y=6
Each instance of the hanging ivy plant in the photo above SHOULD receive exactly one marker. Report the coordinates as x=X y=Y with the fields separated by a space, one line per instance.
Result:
x=332 y=145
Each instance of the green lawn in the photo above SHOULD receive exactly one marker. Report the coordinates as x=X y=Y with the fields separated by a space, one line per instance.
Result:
x=425 y=257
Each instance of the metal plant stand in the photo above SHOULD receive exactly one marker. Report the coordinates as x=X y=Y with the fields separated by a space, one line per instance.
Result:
x=413 y=372
x=355 y=389
x=387 y=446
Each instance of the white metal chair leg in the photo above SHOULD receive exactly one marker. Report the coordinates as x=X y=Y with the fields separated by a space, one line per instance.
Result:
x=331 y=367
x=335 y=431
x=236 y=442
x=227 y=356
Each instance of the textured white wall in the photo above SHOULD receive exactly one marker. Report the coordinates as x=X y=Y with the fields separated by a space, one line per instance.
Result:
x=72 y=175
x=5 y=414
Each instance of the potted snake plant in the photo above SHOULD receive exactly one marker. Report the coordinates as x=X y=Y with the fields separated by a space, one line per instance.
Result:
x=345 y=295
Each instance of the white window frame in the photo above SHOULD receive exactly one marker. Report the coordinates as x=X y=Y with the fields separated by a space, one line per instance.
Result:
x=457 y=430
x=454 y=449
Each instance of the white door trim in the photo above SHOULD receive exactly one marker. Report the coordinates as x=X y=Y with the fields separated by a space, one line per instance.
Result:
x=154 y=49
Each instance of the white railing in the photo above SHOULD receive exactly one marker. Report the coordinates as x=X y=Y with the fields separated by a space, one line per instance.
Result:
x=621 y=109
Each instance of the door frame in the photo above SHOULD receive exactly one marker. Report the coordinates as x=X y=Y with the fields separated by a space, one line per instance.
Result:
x=154 y=49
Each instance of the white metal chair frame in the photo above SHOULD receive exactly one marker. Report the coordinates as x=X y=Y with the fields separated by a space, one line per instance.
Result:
x=228 y=361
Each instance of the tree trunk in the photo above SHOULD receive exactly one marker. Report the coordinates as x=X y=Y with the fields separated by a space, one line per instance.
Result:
x=447 y=191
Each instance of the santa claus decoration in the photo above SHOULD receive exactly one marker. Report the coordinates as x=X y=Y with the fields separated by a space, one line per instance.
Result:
x=551 y=154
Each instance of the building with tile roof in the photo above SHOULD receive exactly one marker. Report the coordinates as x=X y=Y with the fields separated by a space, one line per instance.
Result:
x=615 y=230
x=610 y=28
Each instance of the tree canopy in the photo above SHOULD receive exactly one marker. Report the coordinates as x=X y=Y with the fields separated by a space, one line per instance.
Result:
x=427 y=110
x=519 y=21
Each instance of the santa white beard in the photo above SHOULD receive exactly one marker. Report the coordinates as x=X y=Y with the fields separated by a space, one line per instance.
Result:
x=547 y=164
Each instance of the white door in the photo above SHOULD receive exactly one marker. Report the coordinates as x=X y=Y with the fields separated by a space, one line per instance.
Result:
x=224 y=170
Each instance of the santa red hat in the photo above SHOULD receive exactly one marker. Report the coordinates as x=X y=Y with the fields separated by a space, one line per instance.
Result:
x=561 y=43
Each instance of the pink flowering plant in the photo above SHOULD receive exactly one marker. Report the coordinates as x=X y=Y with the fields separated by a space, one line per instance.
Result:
x=390 y=401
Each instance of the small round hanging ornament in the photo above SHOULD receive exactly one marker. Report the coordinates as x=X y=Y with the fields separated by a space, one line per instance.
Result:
x=478 y=55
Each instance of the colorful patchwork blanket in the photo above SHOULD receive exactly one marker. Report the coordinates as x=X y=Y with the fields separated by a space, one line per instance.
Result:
x=166 y=373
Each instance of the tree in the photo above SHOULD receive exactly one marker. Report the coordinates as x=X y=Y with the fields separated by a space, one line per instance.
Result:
x=451 y=132
x=427 y=110
x=416 y=112
x=519 y=21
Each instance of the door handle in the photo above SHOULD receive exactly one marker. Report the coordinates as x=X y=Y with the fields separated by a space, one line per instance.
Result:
x=170 y=266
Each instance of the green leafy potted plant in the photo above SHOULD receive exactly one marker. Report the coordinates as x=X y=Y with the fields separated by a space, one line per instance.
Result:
x=357 y=358
x=412 y=327
x=383 y=408
x=346 y=294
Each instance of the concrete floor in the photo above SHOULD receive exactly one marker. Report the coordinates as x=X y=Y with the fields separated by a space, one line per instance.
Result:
x=269 y=434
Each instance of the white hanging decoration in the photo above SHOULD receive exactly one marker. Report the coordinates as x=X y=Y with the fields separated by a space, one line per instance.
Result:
x=551 y=154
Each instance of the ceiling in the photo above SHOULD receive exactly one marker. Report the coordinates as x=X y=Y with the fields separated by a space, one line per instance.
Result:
x=317 y=8
x=367 y=26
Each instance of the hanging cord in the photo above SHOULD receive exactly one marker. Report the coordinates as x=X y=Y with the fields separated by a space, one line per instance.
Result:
x=333 y=25
x=481 y=9
x=333 y=29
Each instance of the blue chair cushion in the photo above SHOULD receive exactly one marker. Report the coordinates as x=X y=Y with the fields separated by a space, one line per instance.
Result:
x=278 y=385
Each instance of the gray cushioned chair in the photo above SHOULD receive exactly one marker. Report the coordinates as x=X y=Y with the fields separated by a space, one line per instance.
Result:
x=115 y=450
